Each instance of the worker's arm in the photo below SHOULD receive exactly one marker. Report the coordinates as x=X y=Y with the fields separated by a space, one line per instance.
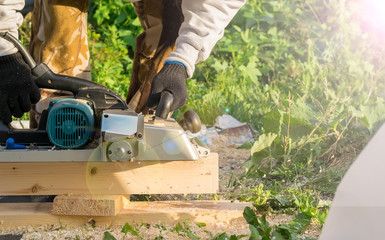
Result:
x=10 y=21
x=17 y=90
x=203 y=25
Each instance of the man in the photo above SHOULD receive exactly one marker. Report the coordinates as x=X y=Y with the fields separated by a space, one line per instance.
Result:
x=177 y=35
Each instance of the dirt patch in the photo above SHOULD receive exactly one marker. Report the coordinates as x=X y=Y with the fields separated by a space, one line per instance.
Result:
x=230 y=162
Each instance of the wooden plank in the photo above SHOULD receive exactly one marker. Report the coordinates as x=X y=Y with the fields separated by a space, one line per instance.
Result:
x=88 y=205
x=13 y=215
x=112 y=178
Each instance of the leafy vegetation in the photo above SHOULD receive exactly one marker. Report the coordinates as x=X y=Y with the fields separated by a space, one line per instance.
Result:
x=308 y=75
x=296 y=73
x=261 y=230
x=112 y=31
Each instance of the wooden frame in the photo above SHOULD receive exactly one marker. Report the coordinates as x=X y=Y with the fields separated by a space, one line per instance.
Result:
x=209 y=212
x=100 y=191
x=110 y=178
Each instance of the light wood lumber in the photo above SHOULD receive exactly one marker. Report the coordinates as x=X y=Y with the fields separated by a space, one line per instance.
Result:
x=13 y=215
x=111 y=178
x=88 y=205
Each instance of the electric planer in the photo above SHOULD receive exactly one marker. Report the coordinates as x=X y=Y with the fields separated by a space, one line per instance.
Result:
x=96 y=125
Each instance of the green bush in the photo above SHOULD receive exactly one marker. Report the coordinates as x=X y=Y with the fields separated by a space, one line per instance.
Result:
x=112 y=31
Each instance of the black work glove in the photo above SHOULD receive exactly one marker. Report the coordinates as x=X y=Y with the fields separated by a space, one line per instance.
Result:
x=171 y=78
x=17 y=89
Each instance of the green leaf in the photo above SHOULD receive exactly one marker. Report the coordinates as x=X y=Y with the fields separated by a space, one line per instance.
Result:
x=321 y=217
x=192 y=236
x=277 y=236
x=220 y=236
x=305 y=112
x=264 y=141
x=251 y=70
x=284 y=201
x=300 y=222
x=121 y=18
x=254 y=233
x=238 y=237
x=178 y=228
x=250 y=216
x=234 y=237
x=371 y=115
x=201 y=224
x=108 y=236
x=286 y=232
x=265 y=229
x=284 y=124
x=246 y=145
x=272 y=31
x=127 y=228
x=123 y=33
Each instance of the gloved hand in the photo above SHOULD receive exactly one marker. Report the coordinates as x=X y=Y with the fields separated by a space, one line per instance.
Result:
x=171 y=78
x=17 y=90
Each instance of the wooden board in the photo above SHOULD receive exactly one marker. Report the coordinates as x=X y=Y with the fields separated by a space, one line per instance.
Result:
x=168 y=212
x=88 y=205
x=110 y=178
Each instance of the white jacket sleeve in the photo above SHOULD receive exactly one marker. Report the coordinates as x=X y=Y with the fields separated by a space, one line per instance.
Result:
x=203 y=25
x=10 y=21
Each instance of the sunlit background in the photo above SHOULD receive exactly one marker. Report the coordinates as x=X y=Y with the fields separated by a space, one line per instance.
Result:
x=374 y=13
